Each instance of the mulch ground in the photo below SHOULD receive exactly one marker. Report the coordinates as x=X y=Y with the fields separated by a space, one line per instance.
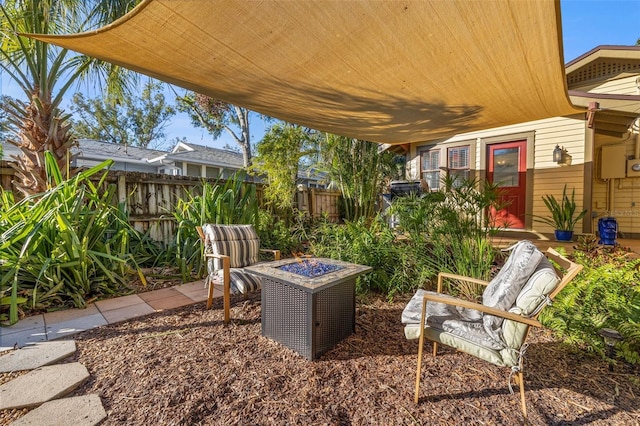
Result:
x=185 y=367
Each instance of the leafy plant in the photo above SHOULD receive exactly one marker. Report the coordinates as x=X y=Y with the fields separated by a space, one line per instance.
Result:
x=233 y=201
x=563 y=211
x=357 y=169
x=69 y=244
x=454 y=228
x=605 y=295
x=398 y=267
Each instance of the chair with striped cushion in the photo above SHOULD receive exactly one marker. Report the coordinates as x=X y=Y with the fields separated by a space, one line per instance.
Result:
x=228 y=250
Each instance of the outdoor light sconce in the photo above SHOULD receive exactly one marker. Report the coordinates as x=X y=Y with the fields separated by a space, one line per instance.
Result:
x=557 y=154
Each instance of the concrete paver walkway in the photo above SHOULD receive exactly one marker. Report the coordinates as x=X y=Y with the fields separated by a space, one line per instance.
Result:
x=85 y=410
x=42 y=385
x=36 y=355
x=54 y=325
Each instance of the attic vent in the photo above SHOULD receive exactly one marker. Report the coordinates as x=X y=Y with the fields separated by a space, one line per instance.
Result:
x=602 y=69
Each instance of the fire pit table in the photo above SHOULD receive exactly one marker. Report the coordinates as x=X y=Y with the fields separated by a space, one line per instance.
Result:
x=308 y=314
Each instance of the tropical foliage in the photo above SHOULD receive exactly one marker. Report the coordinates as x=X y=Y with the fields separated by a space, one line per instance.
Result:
x=358 y=169
x=225 y=202
x=279 y=157
x=67 y=246
x=454 y=225
x=45 y=73
x=563 y=211
x=605 y=295
x=398 y=266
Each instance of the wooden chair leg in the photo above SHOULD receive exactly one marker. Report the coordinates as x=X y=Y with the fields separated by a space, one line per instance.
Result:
x=435 y=348
x=226 y=290
x=420 y=346
x=520 y=379
x=210 y=296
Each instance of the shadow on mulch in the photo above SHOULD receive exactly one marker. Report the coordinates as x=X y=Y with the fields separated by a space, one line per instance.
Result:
x=184 y=366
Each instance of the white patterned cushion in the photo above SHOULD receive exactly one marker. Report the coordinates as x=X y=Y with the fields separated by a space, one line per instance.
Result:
x=461 y=322
x=533 y=295
x=504 y=289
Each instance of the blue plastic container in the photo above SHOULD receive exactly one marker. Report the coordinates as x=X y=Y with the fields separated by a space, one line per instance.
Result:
x=608 y=230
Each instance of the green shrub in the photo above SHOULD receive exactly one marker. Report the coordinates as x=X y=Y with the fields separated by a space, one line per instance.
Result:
x=453 y=226
x=398 y=266
x=275 y=234
x=230 y=202
x=605 y=295
x=68 y=245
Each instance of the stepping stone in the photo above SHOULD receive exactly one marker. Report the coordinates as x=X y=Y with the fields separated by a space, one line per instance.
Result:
x=83 y=410
x=36 y=355
x=42 y=385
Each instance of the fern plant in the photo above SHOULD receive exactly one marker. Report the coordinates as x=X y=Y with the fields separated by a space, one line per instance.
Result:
x=605 y=295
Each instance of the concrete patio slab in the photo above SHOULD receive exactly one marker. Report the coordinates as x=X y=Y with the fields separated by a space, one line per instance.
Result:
x=86 y=410
x=74 y=326
x=166 y=298
x=66 y=315
x=127 y=312
x=197 y=291
x=28 y=330
x=41 y=385
x=36 y=355
x=119 y=302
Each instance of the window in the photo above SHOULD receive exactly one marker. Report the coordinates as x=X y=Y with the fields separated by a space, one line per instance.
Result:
x=458 y=163
x=430 y=168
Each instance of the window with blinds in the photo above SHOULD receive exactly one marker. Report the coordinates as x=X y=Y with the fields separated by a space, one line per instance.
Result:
x=430 y=168
x=458 y=163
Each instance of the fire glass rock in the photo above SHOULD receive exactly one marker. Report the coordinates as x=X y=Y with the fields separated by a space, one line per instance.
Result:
x=310 y=268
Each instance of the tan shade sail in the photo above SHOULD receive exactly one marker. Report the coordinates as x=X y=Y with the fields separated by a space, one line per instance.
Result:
x=385 y=71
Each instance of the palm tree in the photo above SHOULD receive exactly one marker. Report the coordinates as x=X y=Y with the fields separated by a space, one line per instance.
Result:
x=45 y=73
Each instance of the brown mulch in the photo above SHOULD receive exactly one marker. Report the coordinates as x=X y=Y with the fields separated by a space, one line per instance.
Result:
x=183 y=366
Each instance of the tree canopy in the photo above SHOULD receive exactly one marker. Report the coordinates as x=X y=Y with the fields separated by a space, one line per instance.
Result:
x=136 y=120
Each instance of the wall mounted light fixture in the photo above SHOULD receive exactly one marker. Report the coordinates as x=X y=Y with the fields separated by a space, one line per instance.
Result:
x=557 y=154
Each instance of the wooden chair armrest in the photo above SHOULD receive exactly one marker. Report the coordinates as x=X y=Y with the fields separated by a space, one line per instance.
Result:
x=478 y=307
x=443 y=275
x=275 y=253
x=216 y=256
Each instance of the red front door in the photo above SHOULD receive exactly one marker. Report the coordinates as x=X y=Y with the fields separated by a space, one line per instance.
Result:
x=508 y=169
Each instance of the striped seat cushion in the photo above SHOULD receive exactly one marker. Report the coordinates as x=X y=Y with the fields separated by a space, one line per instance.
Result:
x=239 y=242
x=241 y=281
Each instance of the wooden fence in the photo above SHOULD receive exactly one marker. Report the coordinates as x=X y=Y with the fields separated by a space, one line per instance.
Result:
x=151 y=198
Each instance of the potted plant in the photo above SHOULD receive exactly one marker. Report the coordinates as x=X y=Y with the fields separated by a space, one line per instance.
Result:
x=563 y=214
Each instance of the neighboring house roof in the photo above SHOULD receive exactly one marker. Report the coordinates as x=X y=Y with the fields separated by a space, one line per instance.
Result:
x=200 y=154
x=609 y=113
x=93 y=149
x=90 y=149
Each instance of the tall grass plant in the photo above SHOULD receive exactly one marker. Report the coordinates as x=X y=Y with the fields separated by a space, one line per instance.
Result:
x=67 y=246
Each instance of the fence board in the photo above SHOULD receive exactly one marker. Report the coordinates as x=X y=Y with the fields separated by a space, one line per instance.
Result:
x=151 y=198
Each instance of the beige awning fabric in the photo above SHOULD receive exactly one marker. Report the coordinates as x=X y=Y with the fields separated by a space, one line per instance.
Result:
x=385 y=71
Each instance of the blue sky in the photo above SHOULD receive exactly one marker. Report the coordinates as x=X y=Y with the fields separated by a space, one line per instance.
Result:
x=585 y=25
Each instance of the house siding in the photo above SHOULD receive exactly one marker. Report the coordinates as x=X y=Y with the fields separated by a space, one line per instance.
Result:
x=546 y=177
x=624 y=201
x=619 y=86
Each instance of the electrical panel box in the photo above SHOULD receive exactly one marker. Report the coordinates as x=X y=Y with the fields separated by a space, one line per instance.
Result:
x=613 y=164
x=633 y=168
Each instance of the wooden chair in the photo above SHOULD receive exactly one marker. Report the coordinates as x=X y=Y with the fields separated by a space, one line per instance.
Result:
x=495 y=330
x=228 y=249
